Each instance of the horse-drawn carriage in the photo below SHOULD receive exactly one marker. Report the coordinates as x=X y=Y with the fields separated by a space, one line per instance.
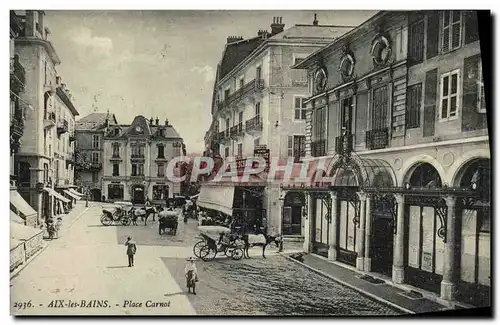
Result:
x=168 y=220
x=218 y=239
x=118 y=214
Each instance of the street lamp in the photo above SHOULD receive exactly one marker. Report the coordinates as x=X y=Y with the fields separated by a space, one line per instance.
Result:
x=87 y=198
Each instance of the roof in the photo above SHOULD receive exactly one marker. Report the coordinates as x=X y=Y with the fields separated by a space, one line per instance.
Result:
x=146 y=129
x=66 y=100
x=94 y=121
x=236 y=52
x=304 y=64
x=327 y=32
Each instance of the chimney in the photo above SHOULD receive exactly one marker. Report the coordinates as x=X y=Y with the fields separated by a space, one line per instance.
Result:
x=232 y=39
x=166 y=122
x=262 y=33
x=315 y=21
x=151 y=122
x=157 y=121
x=277 y=26
x=58 y=81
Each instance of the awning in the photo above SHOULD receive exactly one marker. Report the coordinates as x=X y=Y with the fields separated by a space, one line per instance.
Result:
x=61 y=207
x=76 y=192
x=56 y=195
x=76 y=197
x=219 y=198
x=14 y=217
x=21 y=205
x=20 y=232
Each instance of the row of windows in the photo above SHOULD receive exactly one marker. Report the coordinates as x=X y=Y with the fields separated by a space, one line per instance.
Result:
x=138 y=170
x=115 y=192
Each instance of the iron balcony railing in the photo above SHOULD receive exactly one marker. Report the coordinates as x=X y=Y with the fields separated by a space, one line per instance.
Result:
x=62 y=127
x=249 y=88
x=318 y=148
x=227 y=133
x=50 y=116
x=254 y=124
x=137 y=156
x=237 y=130
x=344 y=144
x=377 y=139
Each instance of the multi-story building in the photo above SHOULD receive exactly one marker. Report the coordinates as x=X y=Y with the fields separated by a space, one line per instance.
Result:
x=397 y=120
x=36 y=162
x=18 y=111
x=135 y=159
x=89 y=133
x=258 y=104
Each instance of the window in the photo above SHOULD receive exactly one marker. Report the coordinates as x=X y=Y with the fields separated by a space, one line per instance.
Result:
x=319 y=124
x=297 y=146
x=240 y=149
x=137 y=169
x=242 y=83
x=449 y=95
x=380 y=105
x=256 y=142
x=95 y=177
x=416 y=42
x=95 y=157
x=257 y=109
x=116 y=170
x=451 y=34
x=134 y=170
x=346 y=118
x=226 y=94
x=258 y=73
x=227 y=123
x=300 y=108
x=95 y=141
x=117 y=132
x=161 y=170
x=160 y=192
x=481 y=102
x=115 y=192
x=45 y=172
x=45 y=72
x=299 y=75
x=240 y=117
x=116 y=150
x=161 y=151
x=226 y=152
x=413 y=104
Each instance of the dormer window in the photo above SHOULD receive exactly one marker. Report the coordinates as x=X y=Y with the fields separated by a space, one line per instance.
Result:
x=117 y=132
x=162 y=132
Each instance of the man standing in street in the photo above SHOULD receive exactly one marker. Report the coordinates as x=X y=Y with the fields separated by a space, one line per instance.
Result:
x=131 y=249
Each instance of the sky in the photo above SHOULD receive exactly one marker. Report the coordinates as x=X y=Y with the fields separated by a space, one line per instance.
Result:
x=158 y=63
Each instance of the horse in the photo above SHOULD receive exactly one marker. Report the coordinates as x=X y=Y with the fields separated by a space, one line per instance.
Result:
x=144 y=213
x=251 y=240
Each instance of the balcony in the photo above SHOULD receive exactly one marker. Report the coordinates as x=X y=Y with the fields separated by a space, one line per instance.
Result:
x=62 y=127
x=318 y=148
x=115 y=157
x=49 y=119
x=17 y=76
x=344 y=144
x=227 y=133
x=254 y=124
x=16 y=132
x=377 y=139
x=236 y=130
x=137 y=157
x=95 y=166
x=250 y=88
x=161 y=158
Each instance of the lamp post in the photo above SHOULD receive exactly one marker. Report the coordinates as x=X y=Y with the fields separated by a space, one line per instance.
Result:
x=87 y=197
x=244 y=206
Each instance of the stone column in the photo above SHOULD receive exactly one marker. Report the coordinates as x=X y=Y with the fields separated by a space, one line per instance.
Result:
x=332 y=239
x=308 y=226
x=360 y=240
x=447 y=284
x=368 y=233
x=398 y=259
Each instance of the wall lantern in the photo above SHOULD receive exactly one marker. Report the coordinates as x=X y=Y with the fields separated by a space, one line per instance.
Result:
x=407 y=186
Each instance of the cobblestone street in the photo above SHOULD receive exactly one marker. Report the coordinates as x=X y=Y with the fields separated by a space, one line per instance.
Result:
x=89 y=263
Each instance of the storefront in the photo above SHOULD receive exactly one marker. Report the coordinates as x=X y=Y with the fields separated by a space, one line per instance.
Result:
x=23 y=209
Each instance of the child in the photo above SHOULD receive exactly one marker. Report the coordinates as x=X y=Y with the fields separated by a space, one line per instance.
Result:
x=191 y=274
x=58 y=226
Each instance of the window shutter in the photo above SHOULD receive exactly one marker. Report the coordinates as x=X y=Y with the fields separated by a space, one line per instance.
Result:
x=290 y=146
x=446 y=31
x=432 y=34
x=471 y=27
x=414 y=97
x=431 y=83
x=456 y=32
x=416 y=42
x=471 y=120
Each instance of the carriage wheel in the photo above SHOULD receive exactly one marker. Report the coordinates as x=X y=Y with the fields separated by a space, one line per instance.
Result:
x=207 y=253
x=237 y=254
x=197 y=248
x=106 y=221
x=126 y=221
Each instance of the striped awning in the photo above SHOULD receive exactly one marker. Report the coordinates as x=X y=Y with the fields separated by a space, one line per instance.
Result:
x=56 y=195
x=219 y=198
x=21 y=205
x=76 y=197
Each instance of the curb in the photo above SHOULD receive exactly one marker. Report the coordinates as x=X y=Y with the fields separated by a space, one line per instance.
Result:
x=15 y=273
x=363 y=292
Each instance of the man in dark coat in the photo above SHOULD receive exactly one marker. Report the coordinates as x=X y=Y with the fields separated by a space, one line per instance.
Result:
x=131 y=249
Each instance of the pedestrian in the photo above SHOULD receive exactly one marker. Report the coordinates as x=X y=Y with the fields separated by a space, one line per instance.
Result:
x=131 y=249
x=191 y=274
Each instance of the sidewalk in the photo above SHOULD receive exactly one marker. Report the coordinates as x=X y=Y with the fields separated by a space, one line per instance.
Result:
x=374 y=288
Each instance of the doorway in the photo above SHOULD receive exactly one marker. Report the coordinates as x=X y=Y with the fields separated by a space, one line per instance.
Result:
x=95 y=195
x=138 y=194
x=292 y=214
x=382 y=237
